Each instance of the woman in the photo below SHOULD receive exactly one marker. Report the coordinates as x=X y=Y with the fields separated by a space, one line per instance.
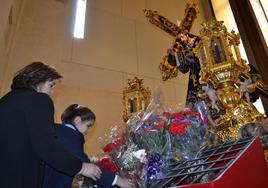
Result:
x=76 y=121
x=26 y=131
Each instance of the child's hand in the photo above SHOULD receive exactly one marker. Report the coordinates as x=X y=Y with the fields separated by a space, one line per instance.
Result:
x=124 y=183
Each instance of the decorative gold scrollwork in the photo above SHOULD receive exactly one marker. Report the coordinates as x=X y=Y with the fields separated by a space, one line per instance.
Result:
x=222 y=68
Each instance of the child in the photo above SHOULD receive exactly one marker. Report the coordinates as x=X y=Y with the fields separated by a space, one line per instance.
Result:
x=76 y=121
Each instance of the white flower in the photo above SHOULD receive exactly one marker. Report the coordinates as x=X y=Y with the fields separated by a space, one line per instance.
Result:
x=141 y=154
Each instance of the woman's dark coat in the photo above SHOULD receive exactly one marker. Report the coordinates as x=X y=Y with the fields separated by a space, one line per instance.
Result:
x=27 y=140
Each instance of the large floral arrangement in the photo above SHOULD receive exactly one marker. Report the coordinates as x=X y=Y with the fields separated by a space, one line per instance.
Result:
x=156 y=138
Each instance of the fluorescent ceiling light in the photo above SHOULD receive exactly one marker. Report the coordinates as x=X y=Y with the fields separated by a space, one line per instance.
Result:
x=80 y=15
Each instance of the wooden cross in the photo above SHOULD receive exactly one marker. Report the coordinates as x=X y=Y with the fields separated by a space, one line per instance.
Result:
x=163 y=23
x=180 y=32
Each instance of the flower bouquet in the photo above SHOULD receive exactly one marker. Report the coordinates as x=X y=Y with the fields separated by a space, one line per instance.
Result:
x=148 y=130
x=107 y=163
x=125 y=157
x=188 y=129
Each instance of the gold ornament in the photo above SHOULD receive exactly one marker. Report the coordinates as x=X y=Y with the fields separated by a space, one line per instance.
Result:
x=135 y=97
x=222 y=67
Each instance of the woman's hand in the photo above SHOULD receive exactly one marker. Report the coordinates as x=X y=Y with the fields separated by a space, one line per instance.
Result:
x=90 y=170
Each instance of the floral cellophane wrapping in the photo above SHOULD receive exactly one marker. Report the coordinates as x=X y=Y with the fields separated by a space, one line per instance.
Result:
x=156 y=138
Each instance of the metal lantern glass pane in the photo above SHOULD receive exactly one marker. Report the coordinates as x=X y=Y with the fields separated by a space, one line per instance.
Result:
x=233 y=51
x=203 y=55
x=218 y=52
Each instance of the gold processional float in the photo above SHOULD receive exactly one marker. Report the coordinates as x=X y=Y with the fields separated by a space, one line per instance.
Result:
x=222 y=70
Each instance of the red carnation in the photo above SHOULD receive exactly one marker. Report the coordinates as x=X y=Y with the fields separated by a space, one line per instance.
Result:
x=166 y=115
x=178 y=115
x=187 y=111
x=113 y=145
x=178 y=128
x=106 y=163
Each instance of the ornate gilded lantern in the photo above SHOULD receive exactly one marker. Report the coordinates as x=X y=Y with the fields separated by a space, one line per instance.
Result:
x=221 y=69
x=135 y=97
